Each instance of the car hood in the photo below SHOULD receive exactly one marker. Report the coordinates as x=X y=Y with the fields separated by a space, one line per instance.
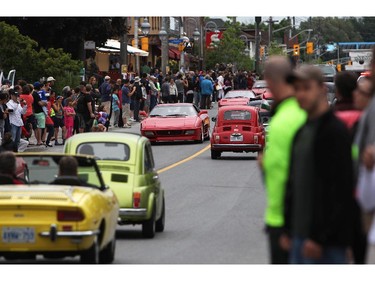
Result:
x=45 y=195
x=169 y=123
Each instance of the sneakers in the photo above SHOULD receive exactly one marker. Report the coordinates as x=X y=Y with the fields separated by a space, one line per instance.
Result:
x=57 y=143
x=131 y=119
x=127 y=126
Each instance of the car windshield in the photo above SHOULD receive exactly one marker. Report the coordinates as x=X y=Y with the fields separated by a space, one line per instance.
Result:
x=260 y=84
x=327 y=70
x=105 y=150
x=237 y=115
x=45 y=168
x=240 y=94
x=173 y=111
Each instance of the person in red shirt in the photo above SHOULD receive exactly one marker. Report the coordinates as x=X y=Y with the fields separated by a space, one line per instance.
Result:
x=30 y=121
x=69 y=115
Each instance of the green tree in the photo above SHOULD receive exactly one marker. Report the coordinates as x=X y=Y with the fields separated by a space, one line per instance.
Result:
x=230 y=50
x=21 y=53
x=275 y=50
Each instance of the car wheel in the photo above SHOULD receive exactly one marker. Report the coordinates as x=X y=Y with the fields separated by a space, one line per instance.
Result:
x=160 y=223
x=207 y=138
x=91 y=256
x=148 y=227
x=215 y=154
x=201 y=140
x=107 y=255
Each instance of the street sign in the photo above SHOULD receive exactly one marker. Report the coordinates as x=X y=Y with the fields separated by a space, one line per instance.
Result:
x=89 y=45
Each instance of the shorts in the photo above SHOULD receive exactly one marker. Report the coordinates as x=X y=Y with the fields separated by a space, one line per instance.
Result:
x=81 y=121
x=30 y=120
x=126 y=111
x=58 y=122
x=40 y=120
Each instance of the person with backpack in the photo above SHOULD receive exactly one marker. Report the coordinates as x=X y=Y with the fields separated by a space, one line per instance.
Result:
x=137 y=97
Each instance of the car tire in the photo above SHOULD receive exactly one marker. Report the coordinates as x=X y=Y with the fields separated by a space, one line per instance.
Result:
x=91 y=256
x=207 y=138
x=148 y=227
x=215 y=154
x=160 y=223
x=107 y=255
x=201 y=140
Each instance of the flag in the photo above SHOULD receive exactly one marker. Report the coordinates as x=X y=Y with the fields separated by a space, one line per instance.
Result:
x=265 y=105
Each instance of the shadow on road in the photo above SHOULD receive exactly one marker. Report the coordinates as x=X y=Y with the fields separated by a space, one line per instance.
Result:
x=130 y=234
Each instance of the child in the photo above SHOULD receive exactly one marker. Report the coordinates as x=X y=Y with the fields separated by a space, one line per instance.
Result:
x=69 y=115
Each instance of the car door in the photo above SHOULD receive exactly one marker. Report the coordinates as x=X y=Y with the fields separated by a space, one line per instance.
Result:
x=152 y=177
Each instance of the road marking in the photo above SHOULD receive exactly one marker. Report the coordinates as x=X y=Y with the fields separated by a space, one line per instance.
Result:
x=184 y=160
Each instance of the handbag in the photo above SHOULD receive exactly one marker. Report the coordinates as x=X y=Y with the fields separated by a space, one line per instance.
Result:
x=144 y=93
x=366 y=188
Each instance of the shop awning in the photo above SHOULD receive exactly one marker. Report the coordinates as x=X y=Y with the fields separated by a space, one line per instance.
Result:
x=113 y=46
x=173 y=53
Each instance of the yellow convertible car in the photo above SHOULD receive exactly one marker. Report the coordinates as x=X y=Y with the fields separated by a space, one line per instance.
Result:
x=76 y=216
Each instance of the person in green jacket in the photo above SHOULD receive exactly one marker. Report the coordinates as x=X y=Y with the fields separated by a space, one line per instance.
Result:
x=287 y=118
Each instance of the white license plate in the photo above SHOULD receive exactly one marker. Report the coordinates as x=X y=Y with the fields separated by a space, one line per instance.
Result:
x=18 y=235
x=236 y=138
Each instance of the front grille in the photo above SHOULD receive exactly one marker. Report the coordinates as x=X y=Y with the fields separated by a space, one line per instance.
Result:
x=170 y=133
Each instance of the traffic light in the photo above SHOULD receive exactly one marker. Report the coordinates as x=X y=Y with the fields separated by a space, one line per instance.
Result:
x=144 y=43
x=262 y=51
x=338 y=67
x=296 y=50
x=309 y=48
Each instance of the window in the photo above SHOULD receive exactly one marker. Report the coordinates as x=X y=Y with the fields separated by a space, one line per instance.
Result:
x=148 y=159
x=105 y=150
x=237 y=115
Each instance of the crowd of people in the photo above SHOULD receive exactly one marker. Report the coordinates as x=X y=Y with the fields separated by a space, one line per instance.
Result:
x=318 y=166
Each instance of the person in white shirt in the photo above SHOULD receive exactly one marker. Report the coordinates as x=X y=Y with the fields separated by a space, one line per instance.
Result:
x=220 y=86
x=15 y=110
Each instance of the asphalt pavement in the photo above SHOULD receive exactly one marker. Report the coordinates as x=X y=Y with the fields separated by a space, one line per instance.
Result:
x=214 y=210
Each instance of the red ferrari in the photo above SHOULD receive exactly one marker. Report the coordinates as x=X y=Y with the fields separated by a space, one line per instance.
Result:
x=237 y=97
x=176 y=122
x=237 y=129
x=260 y=87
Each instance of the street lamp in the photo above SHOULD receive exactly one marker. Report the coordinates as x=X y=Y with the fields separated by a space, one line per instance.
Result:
x=196 y=34
x=145 y=27
x=163 y=35
x=305 y=30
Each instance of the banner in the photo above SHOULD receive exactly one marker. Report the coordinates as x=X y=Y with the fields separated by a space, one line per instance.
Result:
x=213 y=37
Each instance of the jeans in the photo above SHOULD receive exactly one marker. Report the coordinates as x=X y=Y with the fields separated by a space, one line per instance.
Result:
x=16 y=134
x=331 y=254
x=197 y=99
x=153 y=101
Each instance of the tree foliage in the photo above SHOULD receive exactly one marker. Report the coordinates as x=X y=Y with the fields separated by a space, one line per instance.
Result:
x=21 y=53
x=67 y=33
x=230 y=50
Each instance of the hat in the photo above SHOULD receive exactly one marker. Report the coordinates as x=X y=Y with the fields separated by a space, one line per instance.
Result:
x=37 y=85
x=13 y=92
x=152 y=77
x=107 y=78
x=49 y=79
x=136 y=80
x=306 y=72
x=59 y=97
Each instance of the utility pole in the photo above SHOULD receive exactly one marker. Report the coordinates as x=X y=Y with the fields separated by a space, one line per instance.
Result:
x=270 y=24
x=182 y=54
x=164 y=47
x=124 y=43
x=137 y=68
x=257 y=44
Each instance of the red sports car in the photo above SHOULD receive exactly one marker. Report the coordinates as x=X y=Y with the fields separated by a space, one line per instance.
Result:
x=176 y=122
x=237 y=129
x=260 y=87
x=237 y=97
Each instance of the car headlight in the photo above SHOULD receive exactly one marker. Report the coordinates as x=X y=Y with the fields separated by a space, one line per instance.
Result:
x=149 y=134
x=190 y=132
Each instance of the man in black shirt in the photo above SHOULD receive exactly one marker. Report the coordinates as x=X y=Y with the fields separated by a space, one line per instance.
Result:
x=85 y=109
x=40 y=115
x=319 y=201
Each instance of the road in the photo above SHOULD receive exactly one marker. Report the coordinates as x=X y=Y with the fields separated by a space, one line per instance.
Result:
x=214 y=211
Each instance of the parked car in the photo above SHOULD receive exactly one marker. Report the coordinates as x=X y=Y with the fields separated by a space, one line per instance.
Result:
x=176 y=122
x=236 y=97
x=73 y=216
x=237 y=129
x=259 y=87
x=329 y=72
x=127 y=166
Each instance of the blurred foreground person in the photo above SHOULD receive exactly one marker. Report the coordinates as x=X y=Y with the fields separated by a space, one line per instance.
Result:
x=364 y=145
x=287 y=118
x=8 y=169
x=319 y=201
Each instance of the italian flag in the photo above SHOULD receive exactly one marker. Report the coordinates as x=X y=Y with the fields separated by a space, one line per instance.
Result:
x=265 y=105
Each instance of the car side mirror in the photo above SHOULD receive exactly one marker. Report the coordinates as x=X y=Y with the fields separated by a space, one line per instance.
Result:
x=213 y=119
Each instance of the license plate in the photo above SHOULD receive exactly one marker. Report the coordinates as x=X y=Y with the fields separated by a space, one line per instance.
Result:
x=236 y=138
x=18 y=234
